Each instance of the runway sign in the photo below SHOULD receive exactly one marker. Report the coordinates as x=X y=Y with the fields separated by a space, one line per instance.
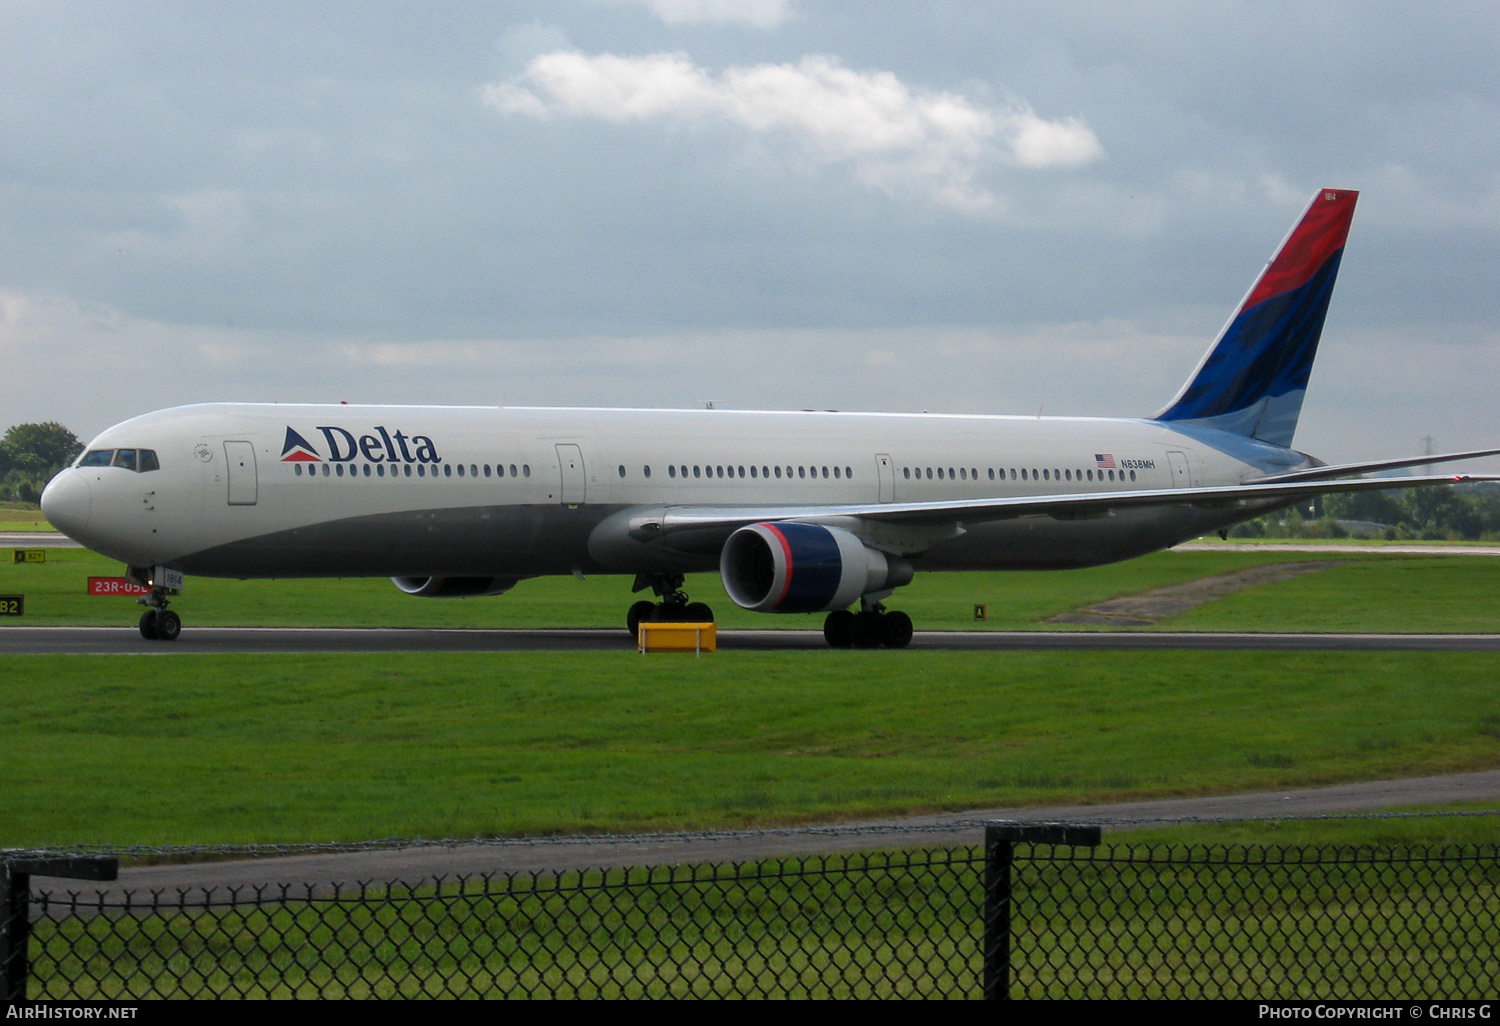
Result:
x=12 y=605
x=115 y=586
x=30 y=555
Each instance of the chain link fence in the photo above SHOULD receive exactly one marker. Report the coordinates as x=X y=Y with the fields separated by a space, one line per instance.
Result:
x=1036 y=911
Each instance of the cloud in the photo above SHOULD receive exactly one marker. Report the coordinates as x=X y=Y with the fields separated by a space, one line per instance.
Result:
x=761 y=14
x=891 y=136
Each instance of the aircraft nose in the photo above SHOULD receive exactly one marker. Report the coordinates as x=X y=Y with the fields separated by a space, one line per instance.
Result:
x=67 y=502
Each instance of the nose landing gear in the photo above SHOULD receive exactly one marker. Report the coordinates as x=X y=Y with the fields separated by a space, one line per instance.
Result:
x=158 y=623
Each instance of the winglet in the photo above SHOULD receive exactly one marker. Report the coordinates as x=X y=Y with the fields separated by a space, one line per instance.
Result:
x=1252 y=380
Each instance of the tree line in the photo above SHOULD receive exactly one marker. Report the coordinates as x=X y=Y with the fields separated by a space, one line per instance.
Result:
x=30 y=454
x=1459 y=513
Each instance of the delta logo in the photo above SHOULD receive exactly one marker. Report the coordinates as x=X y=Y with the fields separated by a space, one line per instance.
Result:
x=382 y=447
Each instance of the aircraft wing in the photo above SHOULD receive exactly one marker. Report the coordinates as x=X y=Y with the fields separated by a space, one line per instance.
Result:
x=671 y=519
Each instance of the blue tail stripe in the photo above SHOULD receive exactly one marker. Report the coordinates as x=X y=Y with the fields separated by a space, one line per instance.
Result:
x=1267 y=352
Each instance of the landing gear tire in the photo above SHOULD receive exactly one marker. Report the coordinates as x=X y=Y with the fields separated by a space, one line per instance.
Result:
x=697 y=612
x=867 y=629
x=667 y=612
x=640 y=611
x=838 y=629
x=895 y=630
x=867 y=633
x=168 y=625
x=148 y=624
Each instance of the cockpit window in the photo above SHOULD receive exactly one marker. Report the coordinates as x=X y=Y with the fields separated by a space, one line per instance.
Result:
x=139 y=460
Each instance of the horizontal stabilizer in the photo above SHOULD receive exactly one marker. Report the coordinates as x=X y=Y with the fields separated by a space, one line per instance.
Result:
x=1346 y=469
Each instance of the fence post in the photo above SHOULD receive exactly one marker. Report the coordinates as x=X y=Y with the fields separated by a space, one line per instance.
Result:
x=15 y=907
x=1000 y=840
x=15 y=929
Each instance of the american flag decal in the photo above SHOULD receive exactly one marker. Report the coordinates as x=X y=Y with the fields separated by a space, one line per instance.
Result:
x=1106 y=460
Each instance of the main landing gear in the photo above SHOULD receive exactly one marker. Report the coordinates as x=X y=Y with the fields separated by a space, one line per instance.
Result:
x=674 y=606
x=871 y=627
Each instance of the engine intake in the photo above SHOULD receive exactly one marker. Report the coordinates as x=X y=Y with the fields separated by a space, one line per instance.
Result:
x=804 y=568
x=454 y=587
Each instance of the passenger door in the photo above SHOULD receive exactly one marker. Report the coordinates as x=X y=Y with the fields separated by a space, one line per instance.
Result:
x=570 y=466
x=239 y=458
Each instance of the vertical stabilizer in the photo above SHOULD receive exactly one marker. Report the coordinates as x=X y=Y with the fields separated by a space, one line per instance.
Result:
x=1253 y=379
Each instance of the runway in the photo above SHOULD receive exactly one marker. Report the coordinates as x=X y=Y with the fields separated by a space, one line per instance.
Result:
x=283 y=640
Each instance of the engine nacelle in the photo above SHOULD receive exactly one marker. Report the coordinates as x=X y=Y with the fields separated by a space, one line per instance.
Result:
x=804 y=568
x=454 y=587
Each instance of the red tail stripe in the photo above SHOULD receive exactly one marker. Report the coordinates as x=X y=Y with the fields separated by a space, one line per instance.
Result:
x=1321 y=233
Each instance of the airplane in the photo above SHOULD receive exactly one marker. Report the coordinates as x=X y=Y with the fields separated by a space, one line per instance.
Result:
x=799 y=512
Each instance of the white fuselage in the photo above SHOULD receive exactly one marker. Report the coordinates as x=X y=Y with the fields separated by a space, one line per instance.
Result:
x=416 y=490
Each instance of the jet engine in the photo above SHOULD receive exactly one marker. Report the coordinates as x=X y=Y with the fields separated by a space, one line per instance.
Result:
x=804 y=568
x=453 y=587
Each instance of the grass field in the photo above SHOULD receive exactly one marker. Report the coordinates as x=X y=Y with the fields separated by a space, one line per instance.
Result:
x=202 y=749
x=1373 y=592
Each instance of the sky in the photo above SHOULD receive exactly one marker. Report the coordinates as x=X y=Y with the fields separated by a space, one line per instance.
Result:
x=959 y=207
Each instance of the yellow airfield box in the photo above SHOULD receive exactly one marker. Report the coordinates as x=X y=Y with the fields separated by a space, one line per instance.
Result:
x=678 y=637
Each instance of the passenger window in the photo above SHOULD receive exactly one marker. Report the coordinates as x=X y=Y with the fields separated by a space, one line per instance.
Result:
x=486 y=470
x=695 y=470
x=801 y=471
x=1132 y=475
x=825 y=472
x=326 y=471
x=97 y=458
x=447 y=469
x=460 y=470
x=752 y=471
x=742 y=472
x=992 y=473
x=765 y=471
x=671 y=470
x=848 y=473
x=646 y=470
x=297 y=469
x=778 y=473
x=622 y=470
